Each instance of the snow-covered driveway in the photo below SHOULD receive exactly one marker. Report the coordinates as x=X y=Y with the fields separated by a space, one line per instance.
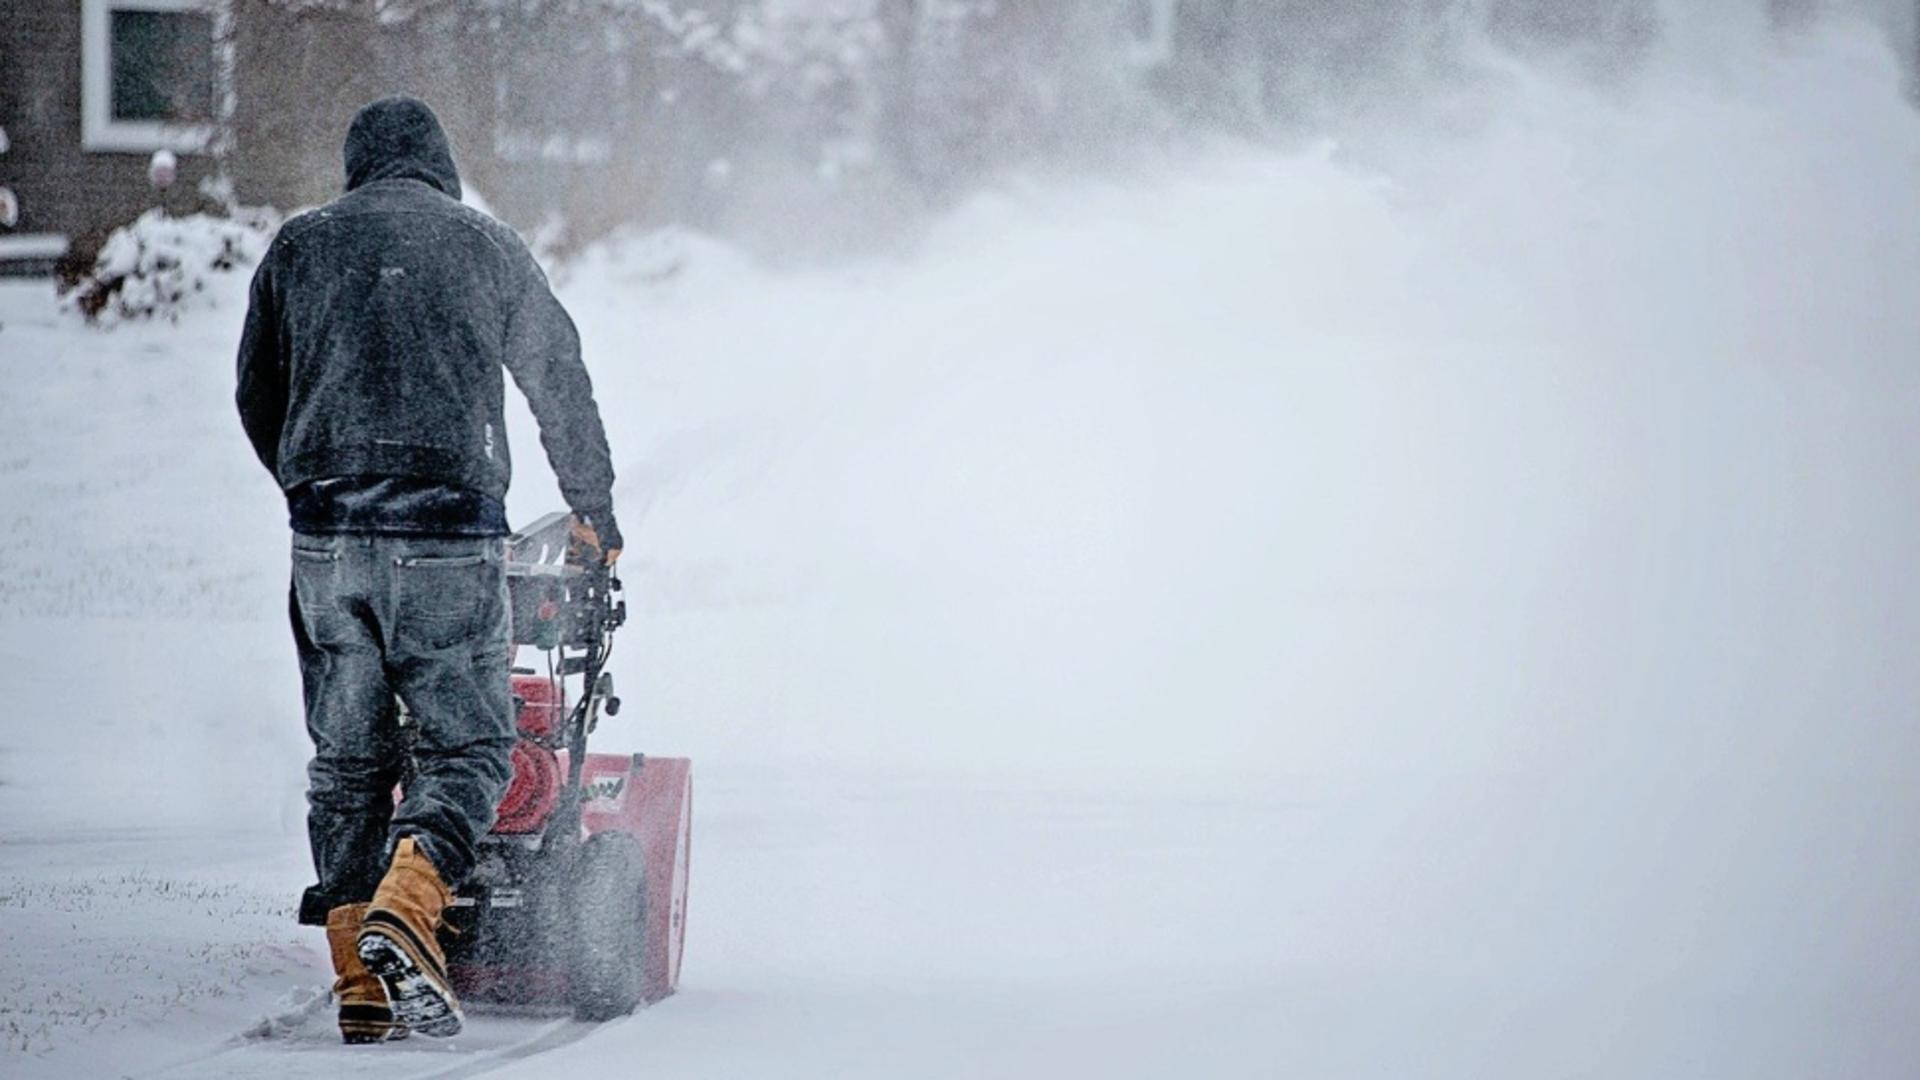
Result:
x=1260 y=620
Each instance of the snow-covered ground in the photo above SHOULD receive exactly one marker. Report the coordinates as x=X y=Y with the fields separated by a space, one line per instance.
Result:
x=1437 y=607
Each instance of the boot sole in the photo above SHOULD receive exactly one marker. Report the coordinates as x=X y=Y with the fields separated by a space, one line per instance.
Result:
x=420 y=1001
x=367 y=1023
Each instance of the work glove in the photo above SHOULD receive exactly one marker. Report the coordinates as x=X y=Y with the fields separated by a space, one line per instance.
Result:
x=598 y=534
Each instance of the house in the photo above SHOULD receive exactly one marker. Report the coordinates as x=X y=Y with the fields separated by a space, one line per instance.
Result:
x=254 y=96
x=89 y=89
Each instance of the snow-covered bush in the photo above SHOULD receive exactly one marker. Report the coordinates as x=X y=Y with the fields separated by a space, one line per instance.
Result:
x=161 y=265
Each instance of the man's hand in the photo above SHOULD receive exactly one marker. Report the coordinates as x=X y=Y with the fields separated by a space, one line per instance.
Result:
x=588 y=539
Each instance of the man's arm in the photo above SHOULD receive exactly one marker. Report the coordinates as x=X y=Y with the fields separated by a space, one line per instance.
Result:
x=262 y=393
x=543 y=355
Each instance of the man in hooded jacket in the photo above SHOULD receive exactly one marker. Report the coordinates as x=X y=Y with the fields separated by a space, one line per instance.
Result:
x=370 y=385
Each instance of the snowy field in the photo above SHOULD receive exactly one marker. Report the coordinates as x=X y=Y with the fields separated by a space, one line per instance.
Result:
x=1418 y=607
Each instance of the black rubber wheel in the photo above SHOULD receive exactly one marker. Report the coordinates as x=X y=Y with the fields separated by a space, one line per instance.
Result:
x=606 y=970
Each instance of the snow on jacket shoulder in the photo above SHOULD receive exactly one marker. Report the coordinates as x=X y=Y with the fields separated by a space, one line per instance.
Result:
x=378 y=326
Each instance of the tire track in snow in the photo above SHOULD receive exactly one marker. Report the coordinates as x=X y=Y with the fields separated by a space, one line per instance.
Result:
x=311 y=1051
x=562 y=1033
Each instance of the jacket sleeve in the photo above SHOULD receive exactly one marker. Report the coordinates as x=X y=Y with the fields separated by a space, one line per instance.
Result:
x=262 y=392
x=543 y=355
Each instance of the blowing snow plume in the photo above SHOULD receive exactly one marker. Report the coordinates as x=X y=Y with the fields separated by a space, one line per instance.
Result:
x=1530 y=500
x=1551 y=397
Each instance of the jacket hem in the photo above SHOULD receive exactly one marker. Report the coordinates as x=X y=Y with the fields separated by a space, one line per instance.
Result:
x=387 y=459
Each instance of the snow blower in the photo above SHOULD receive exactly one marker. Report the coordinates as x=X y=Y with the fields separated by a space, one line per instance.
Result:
x=578 y=898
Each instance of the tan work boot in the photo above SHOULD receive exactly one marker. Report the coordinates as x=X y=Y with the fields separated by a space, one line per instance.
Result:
x=398 y=942
x=364 y=1015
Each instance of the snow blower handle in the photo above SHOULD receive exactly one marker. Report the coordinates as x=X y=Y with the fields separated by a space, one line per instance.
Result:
x=593 y=597
x=564 y=592
x=584 y=545
x=590 y=613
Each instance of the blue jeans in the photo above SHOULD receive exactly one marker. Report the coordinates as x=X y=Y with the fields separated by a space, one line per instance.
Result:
x=425 y=619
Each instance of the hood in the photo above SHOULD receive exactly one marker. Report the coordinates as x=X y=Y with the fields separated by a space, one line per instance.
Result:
x=399 y=138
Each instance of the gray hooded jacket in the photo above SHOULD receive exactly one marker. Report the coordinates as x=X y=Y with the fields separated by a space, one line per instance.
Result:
x=370 y=364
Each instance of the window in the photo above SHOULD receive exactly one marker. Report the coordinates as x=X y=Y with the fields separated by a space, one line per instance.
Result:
x=147 y=75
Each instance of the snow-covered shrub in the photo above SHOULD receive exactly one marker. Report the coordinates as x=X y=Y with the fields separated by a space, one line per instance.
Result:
x=161 y=265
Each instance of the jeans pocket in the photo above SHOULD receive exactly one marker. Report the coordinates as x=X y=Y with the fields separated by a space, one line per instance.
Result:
x=443 y=601
x=318 y=594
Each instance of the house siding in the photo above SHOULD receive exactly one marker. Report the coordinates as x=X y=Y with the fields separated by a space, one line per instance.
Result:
x=299 y=77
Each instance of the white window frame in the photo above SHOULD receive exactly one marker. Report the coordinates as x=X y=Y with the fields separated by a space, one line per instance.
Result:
x=98 y=129
x=22 y=246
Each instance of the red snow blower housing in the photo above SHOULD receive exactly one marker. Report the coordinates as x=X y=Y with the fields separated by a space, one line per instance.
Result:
x=578 y=899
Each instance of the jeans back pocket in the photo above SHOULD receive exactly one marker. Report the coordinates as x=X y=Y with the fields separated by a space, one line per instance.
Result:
x=443 y=598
